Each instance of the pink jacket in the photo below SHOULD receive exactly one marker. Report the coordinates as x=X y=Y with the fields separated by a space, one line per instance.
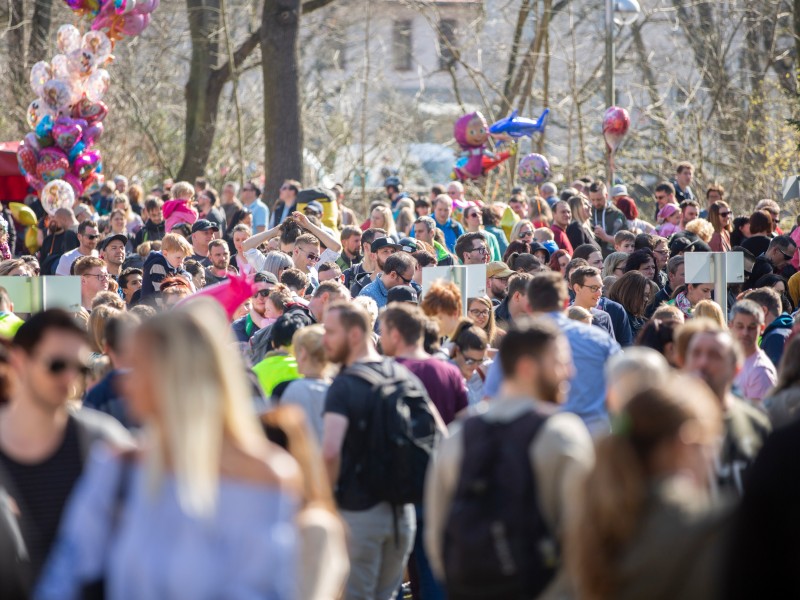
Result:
x=177 y=212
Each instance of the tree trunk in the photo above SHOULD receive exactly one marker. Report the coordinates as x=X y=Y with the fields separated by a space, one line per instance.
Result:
x=283 y=132
x=40 y=31
x=201 y=107
x=15 y=35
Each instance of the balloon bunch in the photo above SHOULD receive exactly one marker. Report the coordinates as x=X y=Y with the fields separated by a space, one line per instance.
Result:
x=118 y=18
x=58 y=157
x=67 y=117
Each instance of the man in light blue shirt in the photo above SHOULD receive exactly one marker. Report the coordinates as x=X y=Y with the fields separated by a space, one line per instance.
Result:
x=250 y=200
x=591 y=348
x=397 y=270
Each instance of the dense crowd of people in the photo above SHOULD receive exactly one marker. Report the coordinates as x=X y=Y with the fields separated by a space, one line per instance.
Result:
x=592 y=426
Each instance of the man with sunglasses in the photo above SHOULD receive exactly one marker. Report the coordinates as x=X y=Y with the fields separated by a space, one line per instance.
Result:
x=777 y=259
x=246 y=327
x=397 y=270
x=43 y=443
x=88 y=237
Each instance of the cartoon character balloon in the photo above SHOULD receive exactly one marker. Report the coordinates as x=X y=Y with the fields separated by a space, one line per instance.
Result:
x=57 y=194
x=472 y=132
x=615 y=126
x=533 y=169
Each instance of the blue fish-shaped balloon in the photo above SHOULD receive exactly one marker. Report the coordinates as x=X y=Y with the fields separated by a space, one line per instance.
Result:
x=518 y=127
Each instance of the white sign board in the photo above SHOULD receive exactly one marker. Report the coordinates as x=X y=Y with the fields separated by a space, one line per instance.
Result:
x=699 y=267
x=34 y=294
x=791 y=188
x=470 y=279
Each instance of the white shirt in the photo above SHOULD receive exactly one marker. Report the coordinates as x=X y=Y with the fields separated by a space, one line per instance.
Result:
x=66 y=260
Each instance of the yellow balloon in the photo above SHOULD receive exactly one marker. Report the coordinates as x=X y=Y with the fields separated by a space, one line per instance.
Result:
x=508 y=221
x=31 y=243
x=22 y=214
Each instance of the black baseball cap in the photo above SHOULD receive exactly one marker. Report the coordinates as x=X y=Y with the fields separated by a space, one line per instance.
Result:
x=402 y=293
x=204 y=225
x=384 y=242
x=265 y=277
x=408 y=244
x=118 y=237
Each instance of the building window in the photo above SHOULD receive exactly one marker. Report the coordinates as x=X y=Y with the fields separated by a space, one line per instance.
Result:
x=448 y=52
x=402 y=45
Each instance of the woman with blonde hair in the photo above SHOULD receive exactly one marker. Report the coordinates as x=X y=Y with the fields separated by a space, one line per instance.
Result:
x=710 y=310
x=701 y=228
x=522 y=231
x=207 y=507
x=645 y=525
x=614 y=264
x=324 y=563
x=381 y=216
x=405 y=217
x=97 y=327
x=721 y=219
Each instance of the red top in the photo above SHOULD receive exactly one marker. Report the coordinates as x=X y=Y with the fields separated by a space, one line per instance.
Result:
x=560 y=237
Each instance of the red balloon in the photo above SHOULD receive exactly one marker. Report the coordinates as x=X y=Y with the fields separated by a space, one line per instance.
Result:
x=27 y=159
x=90 y=111
x=615 y=126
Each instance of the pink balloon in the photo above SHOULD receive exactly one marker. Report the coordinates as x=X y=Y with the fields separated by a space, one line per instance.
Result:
x=135 y=24
x=92 y=133
x=53 y=164
x=86 y=163
x=230 y=293
x=90 y=111
x=67 y=132
x=75 y=182
x=34 y=182
x=615 y=126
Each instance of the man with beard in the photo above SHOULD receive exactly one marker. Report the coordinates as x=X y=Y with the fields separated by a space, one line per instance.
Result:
x=497 y=274
x=112 y=251
x=254 y=320
x=60 y=238
x=87 y=238
x=220 y=257
x=715 y=357
x=607 y=219
x=522 y=432
x=381 y=534
x=351 y=248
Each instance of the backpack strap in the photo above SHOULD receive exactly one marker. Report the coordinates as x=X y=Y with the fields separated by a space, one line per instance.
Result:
x=367 y=373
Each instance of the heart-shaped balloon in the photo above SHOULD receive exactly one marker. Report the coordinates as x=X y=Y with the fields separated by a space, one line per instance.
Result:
x=68 y=39
x=34 y=182
x=615 y=125
x=86 y=162
x=41 y=73
x=57 y=194
x=27 y=159
x=92 y=133
x=66 y=133
x=53 y=164
x=92 y=112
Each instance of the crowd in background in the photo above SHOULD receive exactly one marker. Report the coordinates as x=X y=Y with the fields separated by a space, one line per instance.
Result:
x=593 y=426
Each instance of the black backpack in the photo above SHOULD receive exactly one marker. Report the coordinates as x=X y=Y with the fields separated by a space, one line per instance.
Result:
x=496 y=543
x=401 y=434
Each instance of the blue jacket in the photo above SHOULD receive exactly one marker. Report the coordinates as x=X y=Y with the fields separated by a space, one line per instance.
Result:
x=452 y=231
x=775 y=335
x=619 y=321
x=105 y=398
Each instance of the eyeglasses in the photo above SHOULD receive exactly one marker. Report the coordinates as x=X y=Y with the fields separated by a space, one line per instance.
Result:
x=480 y=314
x=528 y=233
x=481 y=250
x=98 y=276
x=57 y=366
x=593 y=288
x=660 y=251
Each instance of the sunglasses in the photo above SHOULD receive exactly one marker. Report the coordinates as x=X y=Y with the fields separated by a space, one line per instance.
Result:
x=262 y=293
x=57 y=366
x=472 y=361
x=725 y=214
x=404 y=280
x=786 y=256
x=523 y=234
x=312 y=257
x=93 y=237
